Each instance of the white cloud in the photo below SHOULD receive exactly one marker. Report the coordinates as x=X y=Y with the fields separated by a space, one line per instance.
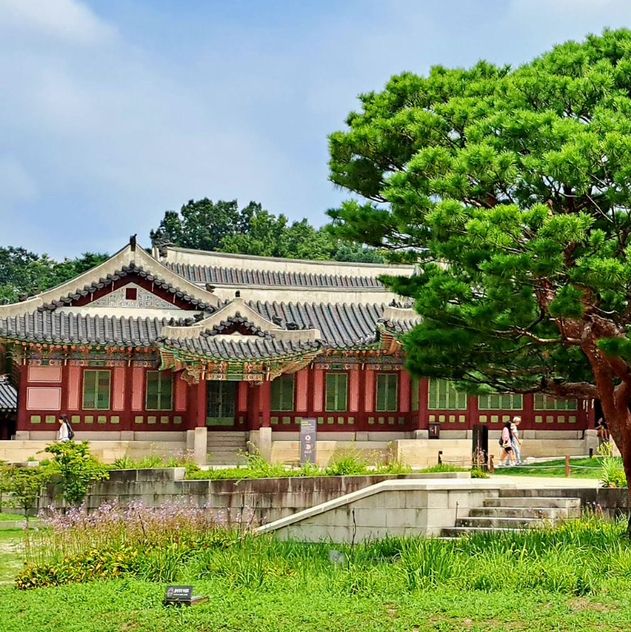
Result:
x=65 y=20
x=102 y=128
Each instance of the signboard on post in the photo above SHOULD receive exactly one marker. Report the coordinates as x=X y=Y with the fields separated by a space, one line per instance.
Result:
x=308 y=441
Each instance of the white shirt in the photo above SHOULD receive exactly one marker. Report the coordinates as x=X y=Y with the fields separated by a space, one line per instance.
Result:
x=62 y=433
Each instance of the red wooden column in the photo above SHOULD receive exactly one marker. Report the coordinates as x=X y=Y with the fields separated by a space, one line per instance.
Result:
x=473 y=413
x=254 y=405
x=423 y=401
x=200 y=404
x=128 y=414
x=405 y=391
x=266 y=403
x=310 y=391
x=362 y=418
x=22 y=423
x=65 y=377
x=528 y=413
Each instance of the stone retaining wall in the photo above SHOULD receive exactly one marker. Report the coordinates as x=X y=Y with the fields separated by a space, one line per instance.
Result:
x=269 y=499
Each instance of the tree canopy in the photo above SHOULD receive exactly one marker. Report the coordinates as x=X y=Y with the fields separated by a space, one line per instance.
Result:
x=511 y=188
x=224 y=227
x=24 y=273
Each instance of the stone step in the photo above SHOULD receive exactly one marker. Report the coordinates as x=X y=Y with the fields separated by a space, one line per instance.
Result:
x=546 y=513
x=457 y=532
x=533 y=501
x=490 y=522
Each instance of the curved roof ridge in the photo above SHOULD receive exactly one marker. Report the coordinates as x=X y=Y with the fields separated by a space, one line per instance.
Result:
x=132 y=255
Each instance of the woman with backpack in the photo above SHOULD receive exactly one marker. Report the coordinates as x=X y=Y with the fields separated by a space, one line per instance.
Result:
x=506 y=441
x=65 y=432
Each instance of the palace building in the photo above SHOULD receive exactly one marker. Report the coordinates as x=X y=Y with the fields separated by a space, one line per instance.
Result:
x=208 y=351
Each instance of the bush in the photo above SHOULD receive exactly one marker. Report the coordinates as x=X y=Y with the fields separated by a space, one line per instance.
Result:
x=24 y=484
x=478 y=472
x=612 y=472
x=347 y=463
x=75 y=468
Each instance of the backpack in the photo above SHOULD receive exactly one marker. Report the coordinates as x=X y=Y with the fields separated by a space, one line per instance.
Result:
x=70 y=431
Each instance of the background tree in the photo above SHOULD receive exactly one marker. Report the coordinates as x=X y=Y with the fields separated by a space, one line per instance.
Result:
x=512 y=189
x=223 y=227
x=24 y=273
x=24 y=485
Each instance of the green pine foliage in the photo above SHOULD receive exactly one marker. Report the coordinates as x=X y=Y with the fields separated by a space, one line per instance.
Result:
x=511 y=188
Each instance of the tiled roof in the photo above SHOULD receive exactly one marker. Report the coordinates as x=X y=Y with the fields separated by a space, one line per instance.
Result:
x=341 y=326
x=213 y=275
x=8 y=395
x=132 y=268
x=246 y=348
x=72 y=328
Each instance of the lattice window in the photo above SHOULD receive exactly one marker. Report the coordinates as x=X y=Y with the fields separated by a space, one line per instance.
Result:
x=283 y=393
x=444 y=396
x=501 y=401
x=416 y=386
x=547 y=402
x=96 y=389
x=387 y=392
x=159 y=391
x=336 y=392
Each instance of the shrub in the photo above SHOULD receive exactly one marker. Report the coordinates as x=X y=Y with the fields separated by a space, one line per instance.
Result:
x=24 y=484
x=75 y=468
x=612 y=472
x=478 y=472
x=347 y=463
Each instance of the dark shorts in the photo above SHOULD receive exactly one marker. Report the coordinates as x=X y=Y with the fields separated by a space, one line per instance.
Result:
x=508 y=449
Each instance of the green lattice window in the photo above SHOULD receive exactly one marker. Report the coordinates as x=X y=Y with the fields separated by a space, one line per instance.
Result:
x=416 y=387
x=547 y=402
x=159 y=391
x=96 y=389
x=283 y=393
x=501 y=401
x=444 y=396
x=387 y=392
x=336 y=392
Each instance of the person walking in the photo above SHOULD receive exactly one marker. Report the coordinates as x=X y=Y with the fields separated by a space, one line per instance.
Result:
x=65 y=432
x=602 y=431
x=516 y=440
x=507 y=457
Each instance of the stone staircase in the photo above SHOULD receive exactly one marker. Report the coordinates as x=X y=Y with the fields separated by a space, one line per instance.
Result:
x=226 y=447
x=514 y=510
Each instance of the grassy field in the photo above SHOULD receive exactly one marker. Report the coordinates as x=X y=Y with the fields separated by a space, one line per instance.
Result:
x=10 y=517
x=581 y=468
x=135 y=606
x=577 y=577
x=10 y=555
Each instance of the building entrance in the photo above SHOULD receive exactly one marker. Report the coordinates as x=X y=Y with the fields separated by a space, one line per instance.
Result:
x=221 y=403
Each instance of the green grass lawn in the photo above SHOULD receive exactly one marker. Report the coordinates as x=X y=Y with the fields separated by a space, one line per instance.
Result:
x=581 y=468
x=135 y=606
x=10 y=555
x=4 y=517
x=574 y=578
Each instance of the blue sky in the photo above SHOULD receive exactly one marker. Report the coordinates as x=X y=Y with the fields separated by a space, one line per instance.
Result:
x=112 y=111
